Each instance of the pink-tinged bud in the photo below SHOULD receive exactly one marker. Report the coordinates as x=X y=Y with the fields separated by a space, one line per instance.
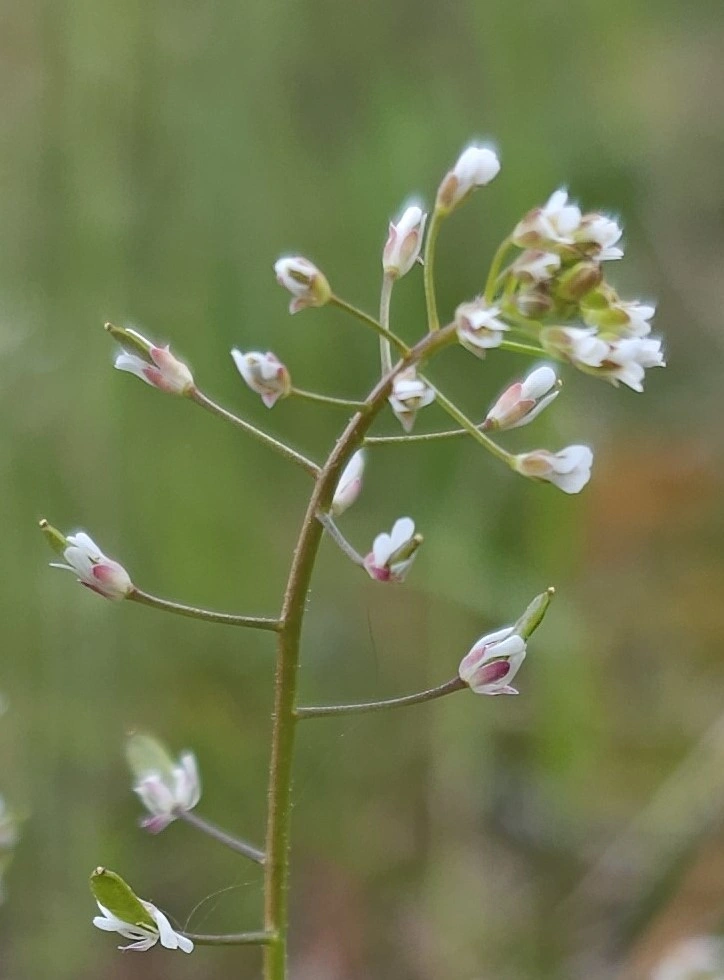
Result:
x=598 y=234
x=265 y=374
x=479 y=327
x=157 y=366
x=308 y=286
x=94 y=569
x=409 y=395
x=350 y=484
x=404 y=243
x=534 y=267
x=552 y=225
x=166 y=787
x=493 y=662
x=569 y=469
x=523 y=401
x=393 y=554
x=476 y=167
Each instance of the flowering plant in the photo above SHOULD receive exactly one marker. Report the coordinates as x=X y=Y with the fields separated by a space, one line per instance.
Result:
x=547 y=297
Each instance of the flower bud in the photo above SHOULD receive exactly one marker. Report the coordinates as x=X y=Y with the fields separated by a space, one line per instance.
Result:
x=534 y=267
x=597 y=234
x=569 y=469
x=577 y=281
x=404 y=242
x=493 y=662
x=157 y=366
x=534 y=304
x=94 y=569
x=350 y=484
x=612 y=315
x=479 y=328
x=476 y=167
x=130 y=916
x=618 y=360
x=164 y=786
x=393 y=554
x=265 y=374
x=523 y=401
x=409 y=395
x=552 y=225
x=308 y=286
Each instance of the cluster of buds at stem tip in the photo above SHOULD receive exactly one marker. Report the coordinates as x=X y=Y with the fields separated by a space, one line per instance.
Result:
x=495 y=659
x=403 y=245
x=82 y=556
x=476 y=166
x=122 y=911
x=393 y=554
x=619 y=360
x=569 y=469
x=265 y=374
x=157 y=366
x=523 y=401
x=479 y=327
x=409 y=394
x=166 y=787
x=308 y=286
x=350 y=484
x=559 y=226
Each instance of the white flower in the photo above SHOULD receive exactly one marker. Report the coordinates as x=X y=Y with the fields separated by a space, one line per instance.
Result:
x=619 y=360
x=164 y=786
x=94 y=569
x=409 y=395
x=478 y=326
x=265 y=374
x=554 y=224
x=393 y=554
x=535 y=267
x=476 y=166
x=350 y=483
x=308 y=286
x=493 y=662
x=626 y=319
x=160 y=369
x=569 y=469
x=146 y=935
x=404 y=243
x=601 y=232
x=696 y=958
x=523 y=401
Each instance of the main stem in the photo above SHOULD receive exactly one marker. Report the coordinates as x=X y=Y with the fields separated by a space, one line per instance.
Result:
x=276 y=881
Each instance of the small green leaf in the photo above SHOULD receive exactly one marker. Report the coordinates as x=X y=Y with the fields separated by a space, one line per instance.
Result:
x=113 y=893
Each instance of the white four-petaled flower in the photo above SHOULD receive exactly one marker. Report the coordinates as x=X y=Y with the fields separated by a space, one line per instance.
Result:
x=600 y=233
x=618 y=360
x=479 y=327
x=551 y=225
x=167 y=789
x=523 y=401
x=409 y=394
x=404 y=242
x=162 y=370
x=144 y=936
x=493 y=662
x=350 y=483
x=569 y=469
x=264 y=373
x=308 y=286
x=94 y=569
x=393 y=554
x=534 y=266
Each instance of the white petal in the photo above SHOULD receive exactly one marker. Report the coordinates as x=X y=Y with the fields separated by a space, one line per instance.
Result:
x=402 y=531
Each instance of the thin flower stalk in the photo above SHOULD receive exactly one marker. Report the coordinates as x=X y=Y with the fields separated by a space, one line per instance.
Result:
x=208 y=615
x=222 y=836
x=366 y=707
x=313 y=396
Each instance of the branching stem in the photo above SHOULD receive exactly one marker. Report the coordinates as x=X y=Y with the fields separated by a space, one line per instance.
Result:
x=470 y=427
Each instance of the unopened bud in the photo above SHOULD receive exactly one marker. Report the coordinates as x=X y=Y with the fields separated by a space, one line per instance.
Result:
x=534 y=304
x=308 y=286
x=476 y=167
x=523 y=401
x=578 y=281
x=404 y=242
x=265 y=374
x=157 y=366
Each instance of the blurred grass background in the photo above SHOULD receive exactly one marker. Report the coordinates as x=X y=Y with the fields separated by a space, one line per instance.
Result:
x=156 y=158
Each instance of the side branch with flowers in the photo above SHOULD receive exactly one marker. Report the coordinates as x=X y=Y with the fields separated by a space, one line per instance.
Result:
x=545 y=296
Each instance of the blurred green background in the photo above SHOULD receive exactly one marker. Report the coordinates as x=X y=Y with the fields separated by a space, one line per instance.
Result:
x=156 y=158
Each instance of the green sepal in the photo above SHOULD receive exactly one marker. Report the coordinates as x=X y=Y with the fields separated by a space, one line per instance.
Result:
x=533 y=616
x=131 y=341
x=114 y=894
x=57 y=541
x=145 y=754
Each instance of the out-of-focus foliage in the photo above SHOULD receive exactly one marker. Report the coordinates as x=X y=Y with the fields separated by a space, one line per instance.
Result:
x=157 y=157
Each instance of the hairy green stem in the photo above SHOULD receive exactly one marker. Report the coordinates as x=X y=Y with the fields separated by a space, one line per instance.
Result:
x=494 y=271
x=208 y=615
x=324 y=711
x=276 y=911
x=313 y=396
x=228 y=840
x=204 y=401
x=433 y=230
x=371 y=322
